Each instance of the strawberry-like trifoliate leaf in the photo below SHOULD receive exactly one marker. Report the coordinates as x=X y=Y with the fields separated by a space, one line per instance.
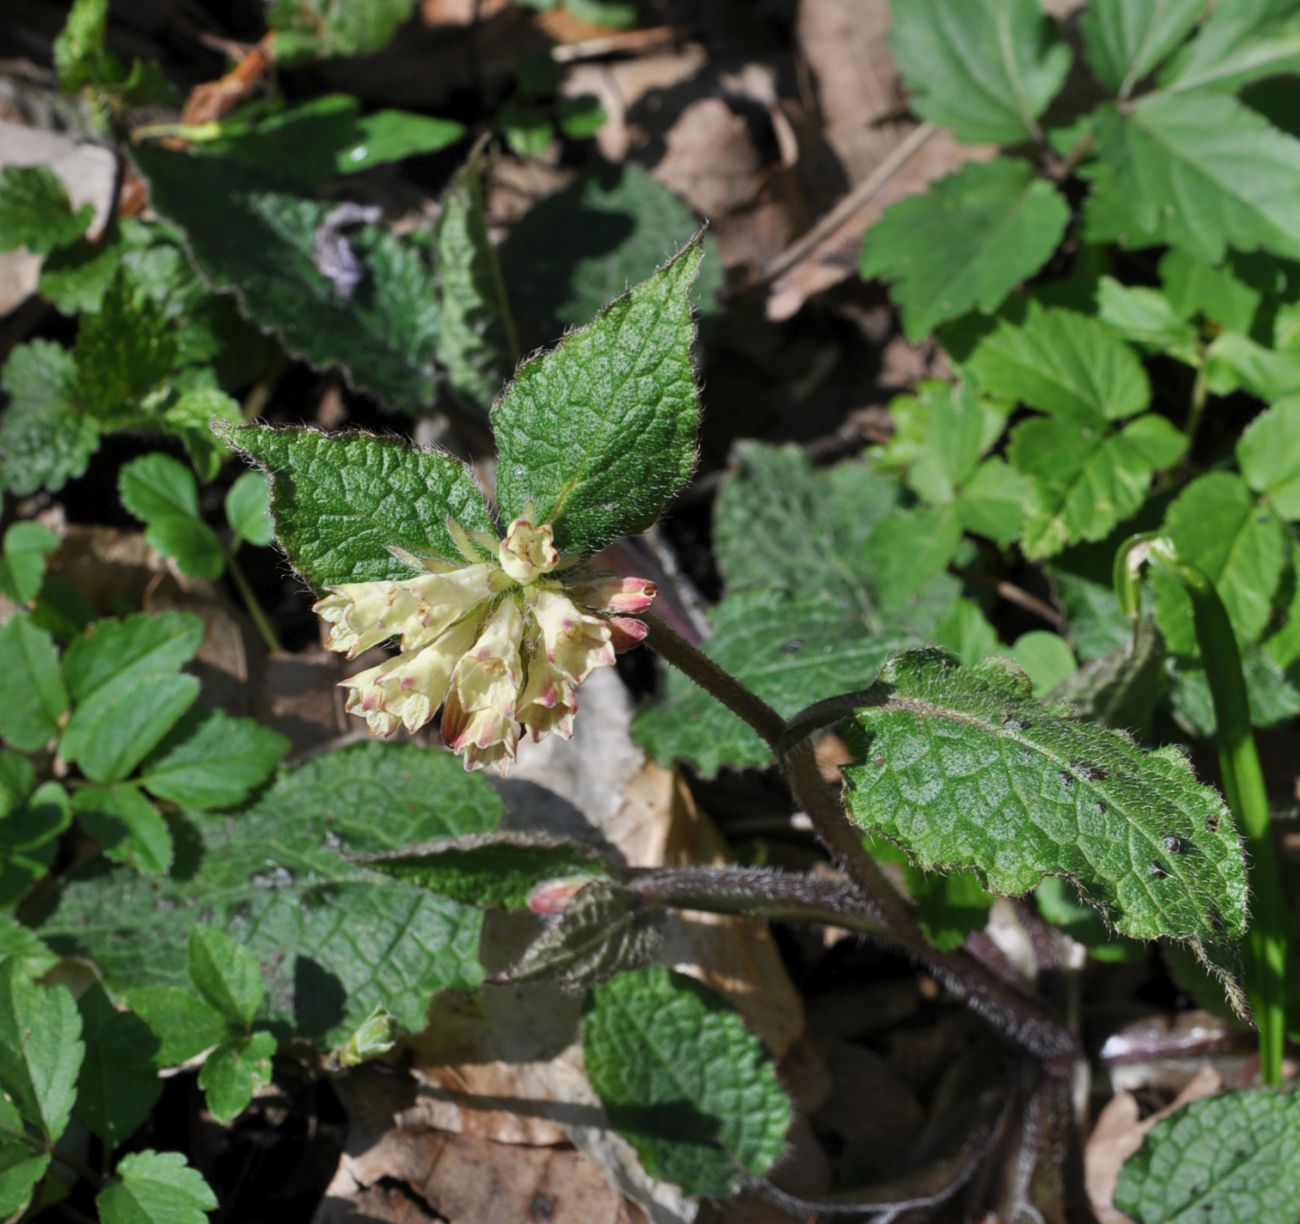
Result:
x=684 y=1081
x=162 y=492
x=1234 y=1157
x=340 y=501
x=155 y=1188
x=1126 y=40
x=596 y=435
x=37 y=699
x=966 y=243
x=962 y=769
x=1238 y=44
x=235 y=1070
x=1198 y=171
x=985 y=68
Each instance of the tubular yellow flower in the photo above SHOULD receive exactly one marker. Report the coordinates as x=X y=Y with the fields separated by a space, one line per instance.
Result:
x=502 y=642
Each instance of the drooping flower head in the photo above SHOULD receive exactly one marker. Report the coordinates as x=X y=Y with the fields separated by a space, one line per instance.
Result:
x=500 y=645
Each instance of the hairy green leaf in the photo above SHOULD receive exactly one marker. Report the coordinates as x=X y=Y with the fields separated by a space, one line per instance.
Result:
x=35 y=697
x=967 y=242
x=1198 y=171
x=985 y=68
x=155 y=1188
x=356 y=298
x=1233 y=1157
x=684 y=1081
x=334 y=939
x=1127 y=40
x=1057 y=361
x=340 y=501
x=35 y=211
x=963 y=769
x=596 y=435
x=117 y=1088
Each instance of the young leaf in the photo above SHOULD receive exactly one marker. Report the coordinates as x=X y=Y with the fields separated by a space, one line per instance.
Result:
x=20 y=944
x=248 y=510
x=1198 y=171
x=22 y=565
x=35 y=699
x=340 y=501
x=1126 y=40
x=212 y=761
x=790 y=651
x=189 y=419
x=684 y=1081
x=478 y=345
x=1057 y=361
x=582 y=247
x=1121 y=688
x=1146 y=317
x=1086 y=479
x=985 y=68
x=162 y=492
x=963 y=769
x=181 y=1025
x=909 y=550
x=275 y=876
x=360 y=299
x=117 y=1088
x=35 y=211
x=235 y=1070
x=155 y=1188
x=1217 y=525
x=127 y=825
x=226 y=974
x=966 y=243
x=45 y=437
x=126 y=693
x=1247 y=41
x=1230 y=1157
x=1269 y=455
x=596 y=435
x=79 y=52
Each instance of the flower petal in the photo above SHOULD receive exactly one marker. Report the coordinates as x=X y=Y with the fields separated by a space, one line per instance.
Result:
x=528 y=552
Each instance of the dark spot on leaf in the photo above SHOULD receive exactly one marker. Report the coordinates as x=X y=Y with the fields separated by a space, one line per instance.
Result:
x=1212 y=824
x=1093 y=773
x=1067 y=779
x=1156 y=871
x=1102 y=809
x=1172 y=843
x=793 y=646
x=1016 y=724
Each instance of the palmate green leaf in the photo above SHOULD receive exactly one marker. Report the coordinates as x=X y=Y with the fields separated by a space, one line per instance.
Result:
x=1126 y=40
x=1233 y=1157
x=1087 y=479
x=1234 y=362
x=1197 y=171
x=248 y=509
x=162 y=492
x=1054 y=360
x=45 y=437
x=35 y=211
x=128 y=827
x=235 y=1070
x=596 y=435
x=155 y=1188
x=339 y=501
x=22 y=562
x=1217 y=525
x=1193 y=287
x=967 y=242
x=963 y=769
x=211 y=761
x=126 y=692
x=361 y=299
x=326 y=28
x=334 y=939
x=684 y=1081
x=117 y=1088
x=985 y=68
x=1248 y=40
x=1269 y=455
x=478 y=345
x=584 y=246
x=35 y=696
x=791 y=651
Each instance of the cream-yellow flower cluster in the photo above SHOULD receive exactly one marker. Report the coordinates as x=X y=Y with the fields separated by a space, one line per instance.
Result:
x=500 y=644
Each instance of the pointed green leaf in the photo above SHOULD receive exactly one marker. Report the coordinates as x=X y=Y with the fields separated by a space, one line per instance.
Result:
x=248 y=509
x=1248 y=40
x=155 y=1188
x=36 y=698
x=966 y=243
x=162 y=492
x=1127 y=40
x=1056 y=361
x=22 y=566
x=1233 y=1157
x=21 y=1165
x=985 y=68
x=1269 y=454
x=1086 y=479
x=340 y=501
x=596 y=435
x=684 y=1081
x=1218 y=526
x=963 y=769
x=235 y=1070
x=1198 y=171
x=212 y=761
x=993 y=502
x=117 y=1088
x=35 y=211
x=40 y=1052
x=181 y=1025
x=127 y=825
x=226 y=974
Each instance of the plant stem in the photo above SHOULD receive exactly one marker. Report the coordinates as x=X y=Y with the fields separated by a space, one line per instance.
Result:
x=1265 y=951
x=1196 y=408
x=252 y=603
